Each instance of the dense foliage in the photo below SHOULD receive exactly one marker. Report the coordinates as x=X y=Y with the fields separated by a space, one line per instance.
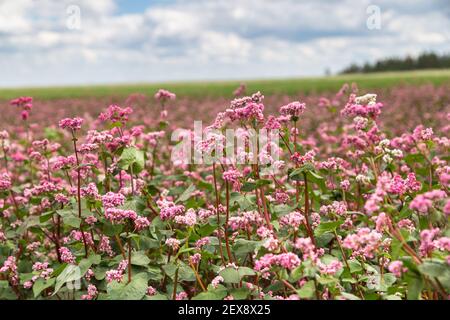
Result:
x=423 y=61
x=99 y=207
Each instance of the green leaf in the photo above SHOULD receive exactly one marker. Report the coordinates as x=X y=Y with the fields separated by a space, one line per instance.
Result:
x=328 y=226
x=244 y=246
x=135 y=290
x=132 y=156
x=438 y=269
x=70 y=274
x=354 y=265
x=297 y=174
x=307 y=291
x=240 y=293
x=41 y=284
x=349 y=296
x=186 y=194
x=139 y=259
x=212 y=294
x=231 y=275
x=415 y=286
x=72 y=221
x=380 y=282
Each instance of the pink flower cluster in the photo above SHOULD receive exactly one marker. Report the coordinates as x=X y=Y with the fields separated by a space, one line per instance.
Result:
x=168 y=209
x=73 y=124
x=365 y=106
x=401 y=186
x=66 y=255
x=163 y=95
x=337 y=207
x=245 y=220
x=5 y=181
x=91 y=293
x=288 y=261
x=364 y=243
x=112 y=199
x=396 y=267
x=293 y=220
x=10 y=267
x=422 y=203
x=119 y=215
x=428 y=243
x=114 y=113
x=232 y=176
x=189 y=218
x=117 y=274
x=25 y=103
x=293 y=110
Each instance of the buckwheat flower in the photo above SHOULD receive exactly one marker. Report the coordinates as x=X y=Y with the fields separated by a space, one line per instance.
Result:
x=204 y=214
x=89 y=274
x=364 y=243
x=91 y=220
x=117 y=274
x=2 y=236
x=272 y=123
x=406 y=224
x=5 y=181
x=10 y=267
x=195 y=259
x=330 y=269
x=232 y=176
x=443 y=243
x=298 y=159
x=360 y=123
x=61 y=162
x=105 y=246
x=271 y=244
x=114 y=113
x=446 y=208
x=173 y=243
x=382 y=222
x=396 y=267
x=345 y=185
x=245 y=220
x=90 y=191
x=28 y=284
x=189 y=218
x=216 y=281
x=169 y=209
x=140 y=223
x=181 y=296
x=88 y=147
x=66 y=255
x=422 y=203
x=92 y=293
x=427 y=244
x=112 y=199
x=25 y=102
x=119 y=216
x=73 y=124
x=202 y=242
x=163 y=95
x=151 y=291
x=293 y=109
x=338 y=208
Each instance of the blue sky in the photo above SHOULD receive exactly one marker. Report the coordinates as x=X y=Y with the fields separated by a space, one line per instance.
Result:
x=120 y=41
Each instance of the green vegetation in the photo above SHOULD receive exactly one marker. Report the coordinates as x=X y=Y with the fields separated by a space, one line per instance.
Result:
x=423 y=61
x=225 y=88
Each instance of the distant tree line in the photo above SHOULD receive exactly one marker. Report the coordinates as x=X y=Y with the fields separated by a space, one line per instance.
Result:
x=423 y=61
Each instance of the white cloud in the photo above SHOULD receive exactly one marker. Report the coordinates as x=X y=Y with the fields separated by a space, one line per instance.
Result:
x=199 y=39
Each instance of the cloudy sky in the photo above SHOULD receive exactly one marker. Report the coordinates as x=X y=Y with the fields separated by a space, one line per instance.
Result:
x=42 y=42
